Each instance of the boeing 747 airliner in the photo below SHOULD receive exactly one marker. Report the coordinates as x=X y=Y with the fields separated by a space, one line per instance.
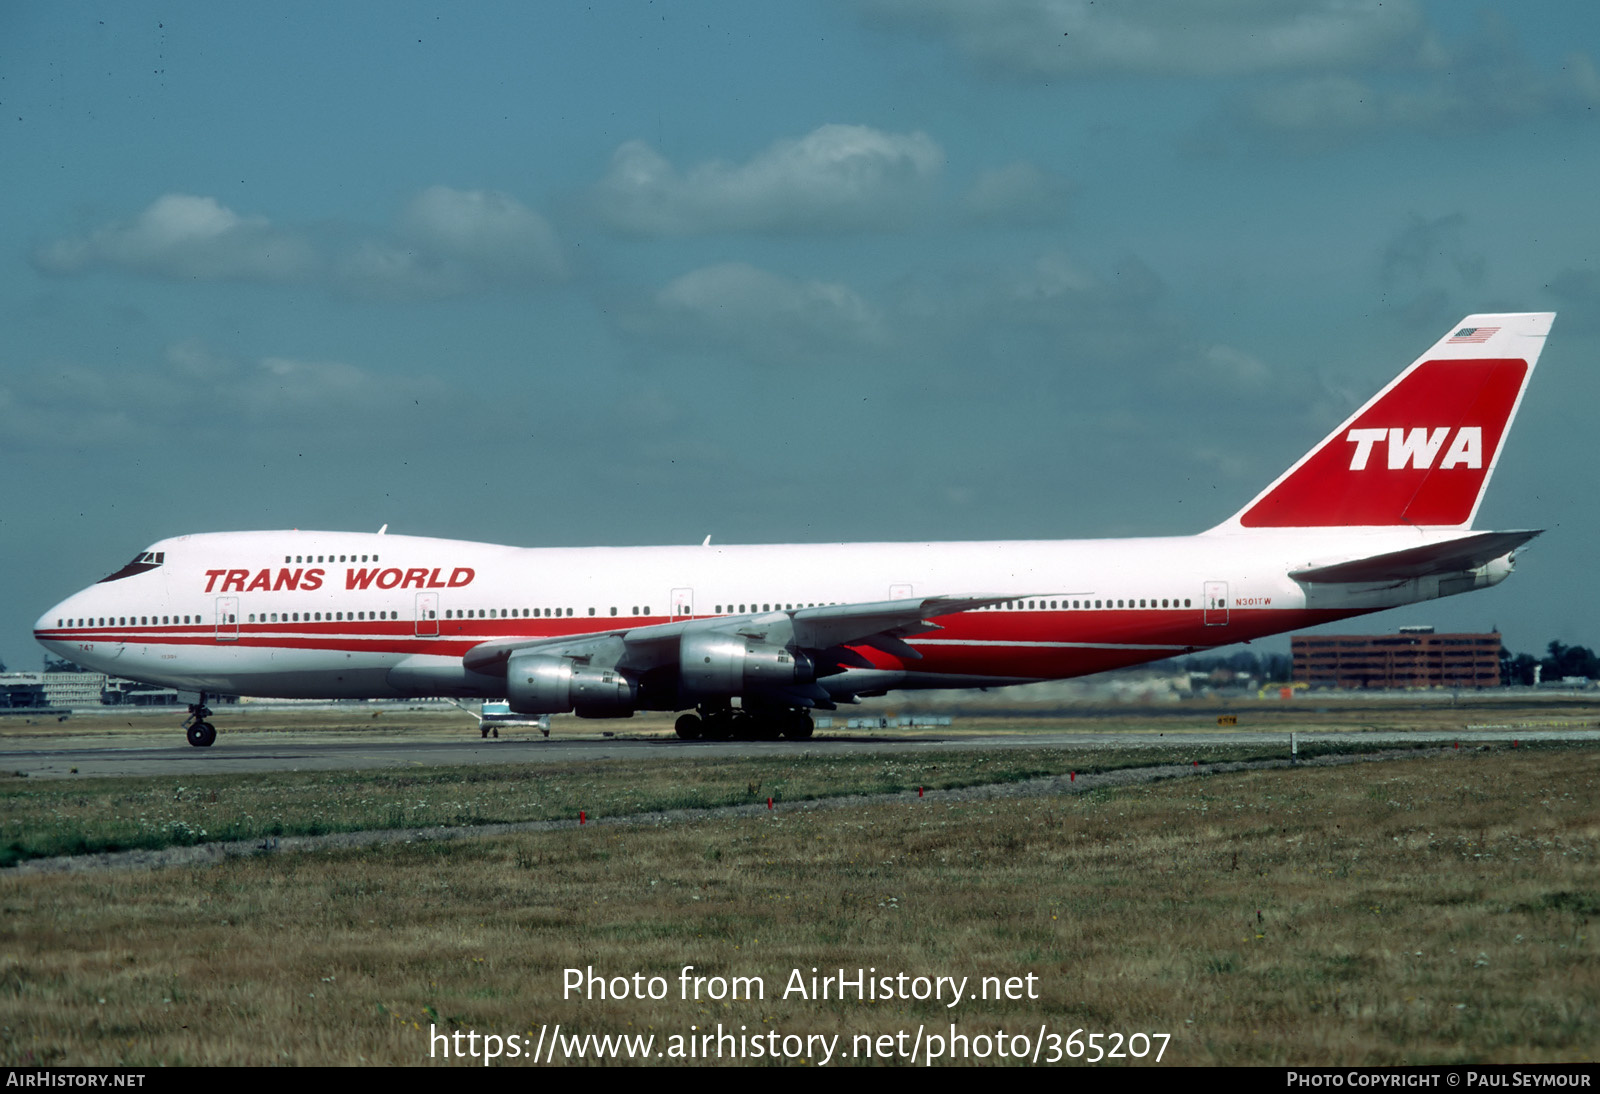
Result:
x=749 y=640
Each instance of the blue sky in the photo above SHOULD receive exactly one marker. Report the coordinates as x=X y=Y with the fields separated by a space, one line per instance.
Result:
x=642 y=272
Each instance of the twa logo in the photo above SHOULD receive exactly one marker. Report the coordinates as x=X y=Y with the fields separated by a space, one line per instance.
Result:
x=1419 y=447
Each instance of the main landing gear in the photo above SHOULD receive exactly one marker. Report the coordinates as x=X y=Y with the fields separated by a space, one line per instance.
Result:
x=201 y=733
x=724 y=723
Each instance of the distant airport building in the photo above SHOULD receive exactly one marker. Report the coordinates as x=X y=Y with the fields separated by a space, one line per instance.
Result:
x=65 y=690
x=53 y=690
x=1414 y=658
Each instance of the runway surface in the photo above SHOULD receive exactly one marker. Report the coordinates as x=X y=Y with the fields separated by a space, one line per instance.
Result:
x=245 y=752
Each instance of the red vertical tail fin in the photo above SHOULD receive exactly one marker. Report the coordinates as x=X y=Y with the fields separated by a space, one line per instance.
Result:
x=1422 y=450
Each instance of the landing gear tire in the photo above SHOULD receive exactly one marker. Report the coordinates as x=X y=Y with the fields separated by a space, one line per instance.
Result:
x=799 y=726
x=689 y=727
x=719 y=726
x=200 y=732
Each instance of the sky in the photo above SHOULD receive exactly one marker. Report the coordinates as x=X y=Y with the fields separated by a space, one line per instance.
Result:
x=639 y=273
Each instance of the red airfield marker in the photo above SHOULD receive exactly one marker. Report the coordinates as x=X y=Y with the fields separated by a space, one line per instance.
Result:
x=769 y=803
x=582 y=818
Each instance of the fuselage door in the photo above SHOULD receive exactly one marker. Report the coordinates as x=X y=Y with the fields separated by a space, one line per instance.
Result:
x=682 y=603
x=427 y=614
x=1216 y=603
x=227 y=619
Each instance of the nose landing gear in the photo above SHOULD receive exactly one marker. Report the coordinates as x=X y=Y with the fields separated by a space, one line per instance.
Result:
x=201 y=733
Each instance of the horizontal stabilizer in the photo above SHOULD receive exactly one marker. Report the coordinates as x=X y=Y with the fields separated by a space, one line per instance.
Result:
x=1448 y=557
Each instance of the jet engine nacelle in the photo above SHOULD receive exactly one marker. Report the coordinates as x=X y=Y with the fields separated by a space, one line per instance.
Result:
x=716 y=663
x=539 y=683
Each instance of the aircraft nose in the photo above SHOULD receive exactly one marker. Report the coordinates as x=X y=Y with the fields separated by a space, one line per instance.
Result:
x=48 y=628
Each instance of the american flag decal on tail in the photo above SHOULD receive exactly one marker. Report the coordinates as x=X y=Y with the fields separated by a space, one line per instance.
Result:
x=1473 y=334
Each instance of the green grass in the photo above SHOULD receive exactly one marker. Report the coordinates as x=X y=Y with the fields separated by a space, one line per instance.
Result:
x=67 y=817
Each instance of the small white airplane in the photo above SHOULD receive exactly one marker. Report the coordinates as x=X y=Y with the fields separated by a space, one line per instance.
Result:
x=750 y=639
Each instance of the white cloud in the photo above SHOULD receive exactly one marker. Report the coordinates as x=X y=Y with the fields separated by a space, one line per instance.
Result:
x=835 y=178
x=1045 y=38
x=1317 y=109
x=487 y=231
x=1482 y=82
x=447 y=242
x=1019 y=194
x=183 y=236
x=198 y=391
x=762 y=315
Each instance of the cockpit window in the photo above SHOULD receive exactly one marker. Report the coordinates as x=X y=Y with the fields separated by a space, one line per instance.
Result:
x=144 y=560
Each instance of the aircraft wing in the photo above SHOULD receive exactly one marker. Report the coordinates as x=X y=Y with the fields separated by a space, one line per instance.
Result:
x=882 y=624
x=1451 y=556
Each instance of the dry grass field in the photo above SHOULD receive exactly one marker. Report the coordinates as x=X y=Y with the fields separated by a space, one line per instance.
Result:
x=1426 y=909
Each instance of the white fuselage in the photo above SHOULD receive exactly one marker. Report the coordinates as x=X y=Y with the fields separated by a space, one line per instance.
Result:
x=350 y=615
